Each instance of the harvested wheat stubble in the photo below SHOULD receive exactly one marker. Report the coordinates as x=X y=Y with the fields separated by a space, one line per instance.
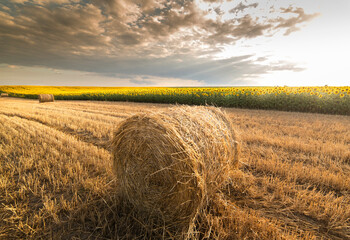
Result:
x=4 y=95
x=172 y=163
x=46 y=98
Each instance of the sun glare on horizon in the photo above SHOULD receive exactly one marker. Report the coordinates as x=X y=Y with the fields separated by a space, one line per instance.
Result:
x=162 y=43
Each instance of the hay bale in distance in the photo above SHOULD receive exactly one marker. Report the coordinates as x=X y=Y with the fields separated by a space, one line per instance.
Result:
x=4 y=95
x=171 y=163
x=46 y=98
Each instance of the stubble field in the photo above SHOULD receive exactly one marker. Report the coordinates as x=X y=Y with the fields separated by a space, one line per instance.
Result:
x=56 y=179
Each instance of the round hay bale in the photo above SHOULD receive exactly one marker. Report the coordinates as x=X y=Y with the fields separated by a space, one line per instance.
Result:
x=171 y=163
x=4 y=95
x=46 y=98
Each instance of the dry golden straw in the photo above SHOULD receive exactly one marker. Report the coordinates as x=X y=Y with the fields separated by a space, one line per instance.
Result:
x=4 y=95
x=46 y=98
x=172 y=163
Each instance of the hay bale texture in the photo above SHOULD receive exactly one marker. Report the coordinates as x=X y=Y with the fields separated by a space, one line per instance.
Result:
x=46 y=98
x=171 y=163
x=4 y=95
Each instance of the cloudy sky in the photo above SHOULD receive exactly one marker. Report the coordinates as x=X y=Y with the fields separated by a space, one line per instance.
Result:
x=174 y=42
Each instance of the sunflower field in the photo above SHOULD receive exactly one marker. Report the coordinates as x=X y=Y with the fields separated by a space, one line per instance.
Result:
x=325 y=99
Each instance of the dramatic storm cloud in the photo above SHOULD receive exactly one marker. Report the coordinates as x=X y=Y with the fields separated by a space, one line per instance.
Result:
x=138 y=39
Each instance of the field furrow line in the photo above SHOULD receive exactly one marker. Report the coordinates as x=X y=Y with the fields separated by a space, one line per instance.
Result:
x=79 y=135
x=46 y=174
x=286 y=201
x=337 y=152
x=326 y=181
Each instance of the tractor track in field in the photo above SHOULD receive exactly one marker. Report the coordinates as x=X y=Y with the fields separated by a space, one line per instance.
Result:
x=90 y=112
x=84 y=136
